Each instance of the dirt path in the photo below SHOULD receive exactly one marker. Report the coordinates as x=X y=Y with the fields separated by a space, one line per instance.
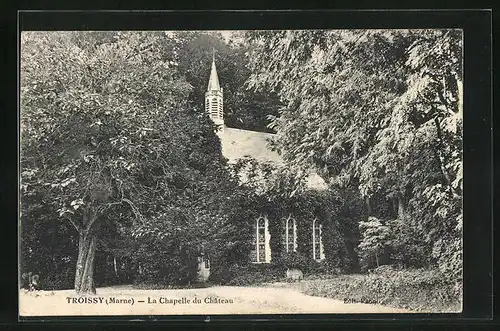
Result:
x=209 y=301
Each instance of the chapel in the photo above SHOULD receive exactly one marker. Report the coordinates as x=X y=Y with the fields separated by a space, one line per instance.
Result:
x=237 y=144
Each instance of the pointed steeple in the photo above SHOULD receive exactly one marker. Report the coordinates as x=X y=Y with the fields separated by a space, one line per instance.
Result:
x=214 y=99
x=213 y=83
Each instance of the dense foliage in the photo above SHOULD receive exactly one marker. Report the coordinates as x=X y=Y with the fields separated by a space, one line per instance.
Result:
x=109 y=145
x=283 y=193
x=243 y=108
x=380 y=111
x=415 y=289
x=123 y=179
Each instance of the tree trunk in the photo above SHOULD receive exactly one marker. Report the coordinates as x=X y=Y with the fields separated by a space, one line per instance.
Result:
x=441 y=159
x=84 y=278
x=460 y=96
x=368 y=206
x=394 y=204
x=401 y=208
x=114 y=265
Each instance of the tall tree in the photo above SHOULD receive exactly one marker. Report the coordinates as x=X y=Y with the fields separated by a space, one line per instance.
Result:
x=107 y=138
x=377 y=109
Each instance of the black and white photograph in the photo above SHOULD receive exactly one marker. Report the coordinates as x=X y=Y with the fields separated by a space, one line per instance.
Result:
x=241 y=172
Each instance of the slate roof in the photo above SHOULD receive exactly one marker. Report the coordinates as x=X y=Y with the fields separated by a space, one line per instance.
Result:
x=213 y=82
x=237 y=143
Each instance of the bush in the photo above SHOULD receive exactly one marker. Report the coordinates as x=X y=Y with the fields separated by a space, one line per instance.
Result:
x=297 y=261
x=64 y=280
x=26 y=279
x=306 y=264
x=247 y=274
x=416 y=289
x=449 y=258
x=252 y=274
x=325 y=268
x=165 y=286
x=162 y=264
x=373 y=246
x=222 y=274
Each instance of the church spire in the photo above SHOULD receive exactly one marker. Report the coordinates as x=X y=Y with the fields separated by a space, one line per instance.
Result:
x=213 y=82
x=214 y=97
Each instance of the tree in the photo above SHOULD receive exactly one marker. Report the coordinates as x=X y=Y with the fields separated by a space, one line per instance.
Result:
x=107 y=138
x=377 y=109
x=47 y=245
x=374 y=240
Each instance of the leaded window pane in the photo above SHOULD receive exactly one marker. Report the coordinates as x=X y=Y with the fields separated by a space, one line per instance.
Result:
x=288 y=235
x=317 y=251
x=262 y=237
x=253 y=255
x=259 y=253
x=317 y=240
x=262 y=253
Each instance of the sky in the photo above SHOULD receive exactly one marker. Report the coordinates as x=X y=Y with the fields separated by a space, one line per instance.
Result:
x=227 y=34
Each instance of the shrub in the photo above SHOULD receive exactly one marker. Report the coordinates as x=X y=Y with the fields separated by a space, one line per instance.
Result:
x=25 y=280
x=374 y=242
x=416 y=289
x=306 y=264
x=449 y=258
x=297 y=261
x=163 y=264
x=164 y=286
x=326 y=268
x=252 y=274
x=60 y=281
x=246 y=274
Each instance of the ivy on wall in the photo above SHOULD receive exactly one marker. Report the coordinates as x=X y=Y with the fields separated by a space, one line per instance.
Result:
x=339 y=238
x=337 y=210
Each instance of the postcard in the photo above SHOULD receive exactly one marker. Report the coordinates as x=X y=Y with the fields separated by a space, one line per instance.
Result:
x=240 y=172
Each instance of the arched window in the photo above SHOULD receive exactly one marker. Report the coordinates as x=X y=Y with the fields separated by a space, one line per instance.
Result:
x=261 y=240
x=261 y=252
x=318 y=253
x=290 y=235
